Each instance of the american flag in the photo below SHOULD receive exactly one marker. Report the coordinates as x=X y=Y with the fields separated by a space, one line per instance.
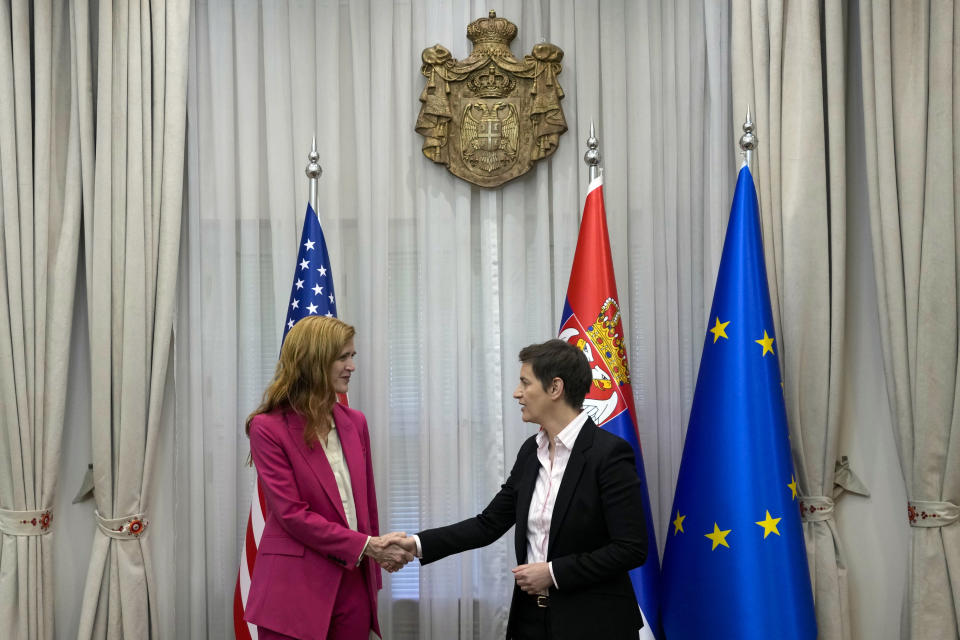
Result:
x=312 y=290
x=310 y=294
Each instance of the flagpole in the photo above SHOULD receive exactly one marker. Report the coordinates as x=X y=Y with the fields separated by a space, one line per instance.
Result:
x=313 y=171
x=592 y=156
x=748 y=141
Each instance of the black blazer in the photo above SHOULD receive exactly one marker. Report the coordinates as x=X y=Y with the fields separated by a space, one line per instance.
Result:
x=597 y=534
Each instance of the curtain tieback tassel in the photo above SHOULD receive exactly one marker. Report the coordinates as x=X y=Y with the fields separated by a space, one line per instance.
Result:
x=931 y=513
x=123 y=528
x=816 y=508
x=25 y=523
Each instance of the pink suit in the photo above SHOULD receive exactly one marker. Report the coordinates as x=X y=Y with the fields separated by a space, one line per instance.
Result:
x=307 y=546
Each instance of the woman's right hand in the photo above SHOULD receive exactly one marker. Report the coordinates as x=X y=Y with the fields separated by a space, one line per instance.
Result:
x=387 y=552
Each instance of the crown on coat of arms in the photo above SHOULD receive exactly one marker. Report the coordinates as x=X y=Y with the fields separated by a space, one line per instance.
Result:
x=609 y=343
x=491 y=30
x=490 y=83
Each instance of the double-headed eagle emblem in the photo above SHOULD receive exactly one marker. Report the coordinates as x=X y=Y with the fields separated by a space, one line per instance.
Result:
x=489 y=117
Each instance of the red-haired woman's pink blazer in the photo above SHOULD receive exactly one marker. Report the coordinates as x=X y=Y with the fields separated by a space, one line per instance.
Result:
x=307 y=545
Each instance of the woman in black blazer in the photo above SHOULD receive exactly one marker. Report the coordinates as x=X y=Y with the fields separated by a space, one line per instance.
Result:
x=586 y=532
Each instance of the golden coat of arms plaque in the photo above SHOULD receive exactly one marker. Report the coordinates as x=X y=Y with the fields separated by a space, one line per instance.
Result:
x=489 y=117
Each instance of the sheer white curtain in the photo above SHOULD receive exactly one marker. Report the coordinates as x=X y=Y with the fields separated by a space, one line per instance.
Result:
x=444 y=282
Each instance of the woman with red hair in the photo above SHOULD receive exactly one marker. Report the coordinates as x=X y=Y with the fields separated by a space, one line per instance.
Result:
x=317 y=572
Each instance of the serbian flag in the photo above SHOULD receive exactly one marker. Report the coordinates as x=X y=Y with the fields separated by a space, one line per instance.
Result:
x=311 y=294
x=591 y=321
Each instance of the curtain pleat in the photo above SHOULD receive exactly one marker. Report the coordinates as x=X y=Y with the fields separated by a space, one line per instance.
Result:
x=911 y=57
x=131 y=244
x=40 y=131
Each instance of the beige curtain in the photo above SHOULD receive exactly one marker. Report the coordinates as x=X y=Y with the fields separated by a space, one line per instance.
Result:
x=911 y=57
x=40 y=196
x=131 y=240
x=788 y=61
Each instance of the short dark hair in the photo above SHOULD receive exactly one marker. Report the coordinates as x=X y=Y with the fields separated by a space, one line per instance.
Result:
x=560 y=359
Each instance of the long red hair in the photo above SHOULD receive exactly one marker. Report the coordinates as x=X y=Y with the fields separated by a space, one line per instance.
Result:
x=302 y=379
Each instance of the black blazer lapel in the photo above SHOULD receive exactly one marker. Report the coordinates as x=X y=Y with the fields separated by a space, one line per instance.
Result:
x=524 y=496
x=571 y=478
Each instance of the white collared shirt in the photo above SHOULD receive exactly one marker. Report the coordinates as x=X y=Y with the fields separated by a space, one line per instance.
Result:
x=545 y=491
x=341 y=474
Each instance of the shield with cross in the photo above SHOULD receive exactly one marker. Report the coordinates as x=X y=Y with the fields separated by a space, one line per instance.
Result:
x=489 y=134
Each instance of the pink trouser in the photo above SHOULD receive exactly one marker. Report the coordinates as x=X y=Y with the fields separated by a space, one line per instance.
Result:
x=352 y=618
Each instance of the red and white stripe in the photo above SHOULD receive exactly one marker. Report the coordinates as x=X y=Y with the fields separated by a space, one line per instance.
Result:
x=248 y=557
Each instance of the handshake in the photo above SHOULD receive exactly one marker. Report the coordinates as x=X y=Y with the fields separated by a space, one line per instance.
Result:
x=391 y=551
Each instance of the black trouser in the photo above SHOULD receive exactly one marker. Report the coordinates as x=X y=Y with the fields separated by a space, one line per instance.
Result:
x=530 y=621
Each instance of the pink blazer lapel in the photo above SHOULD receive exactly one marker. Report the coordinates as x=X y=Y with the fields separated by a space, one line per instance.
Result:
x=316 y=459
x=353 y=453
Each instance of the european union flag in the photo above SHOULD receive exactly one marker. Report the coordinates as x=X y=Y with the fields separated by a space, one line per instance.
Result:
x=735 y=564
